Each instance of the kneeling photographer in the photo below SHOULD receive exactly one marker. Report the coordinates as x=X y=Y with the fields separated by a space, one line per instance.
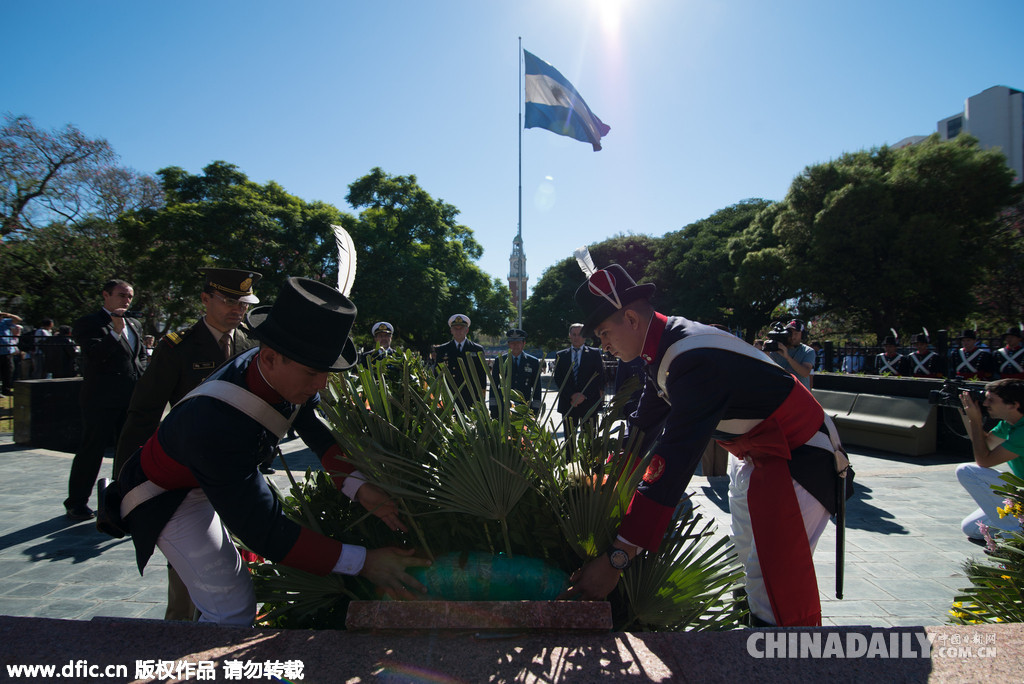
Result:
x=1004 y=401
x=785 y=346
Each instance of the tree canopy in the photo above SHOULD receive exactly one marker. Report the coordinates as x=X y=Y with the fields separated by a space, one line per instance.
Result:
x=221 y=218
x=416 y=264
x=927 y=235
x=895 y=238
x=694 y=270
x=920 y=236
x=551 y=307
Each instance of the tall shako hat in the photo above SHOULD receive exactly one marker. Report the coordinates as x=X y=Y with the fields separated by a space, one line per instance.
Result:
x=233 y=283
x=970 y=334
x=1013 y=332
x=889 y=339
x=309 y=323
x=606 y=291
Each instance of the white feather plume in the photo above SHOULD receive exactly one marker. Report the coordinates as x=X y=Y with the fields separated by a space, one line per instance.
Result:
x=926 y=333
x=895 y=336
x=585 y=261
x=346 y=259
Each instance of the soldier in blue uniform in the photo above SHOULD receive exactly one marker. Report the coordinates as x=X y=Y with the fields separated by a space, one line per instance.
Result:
x=461 y=352
x=525 y=374
x=383 y=332
x=890 y=361
x=703 y=383
x=1010 y=356
x=197 y=477
x=923 y=362
x=971 y=362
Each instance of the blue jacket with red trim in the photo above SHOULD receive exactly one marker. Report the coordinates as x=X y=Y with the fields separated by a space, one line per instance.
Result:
x=204 y=442
x=705 y=386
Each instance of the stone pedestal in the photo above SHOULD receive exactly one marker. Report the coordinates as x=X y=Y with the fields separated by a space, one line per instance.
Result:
x=47 y=414
x=503 y=616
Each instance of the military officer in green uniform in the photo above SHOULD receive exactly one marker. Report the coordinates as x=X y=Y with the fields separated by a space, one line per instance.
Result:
x=179 y=363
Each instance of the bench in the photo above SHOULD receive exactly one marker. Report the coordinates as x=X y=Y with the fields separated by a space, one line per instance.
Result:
x=904 y=425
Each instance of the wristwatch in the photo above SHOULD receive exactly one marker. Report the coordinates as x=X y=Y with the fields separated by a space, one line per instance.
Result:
x=618 y=558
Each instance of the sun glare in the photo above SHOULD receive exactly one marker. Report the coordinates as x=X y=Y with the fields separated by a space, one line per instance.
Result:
x=609 y=14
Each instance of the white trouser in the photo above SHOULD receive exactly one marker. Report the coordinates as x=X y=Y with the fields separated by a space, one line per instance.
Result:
x=815 y=519
x=978 y=481
x=198 y=546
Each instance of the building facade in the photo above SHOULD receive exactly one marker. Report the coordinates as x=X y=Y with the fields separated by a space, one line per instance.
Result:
x=996 y=118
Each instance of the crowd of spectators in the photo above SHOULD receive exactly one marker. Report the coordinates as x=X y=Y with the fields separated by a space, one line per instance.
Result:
x=26 y=353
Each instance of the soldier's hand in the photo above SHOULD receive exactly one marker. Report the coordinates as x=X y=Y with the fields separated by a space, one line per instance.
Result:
x=386 y=569
x=376 y=501
x=593 y=582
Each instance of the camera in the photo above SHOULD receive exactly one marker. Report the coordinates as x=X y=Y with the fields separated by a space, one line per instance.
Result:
x=778 y=335
x=949 y=394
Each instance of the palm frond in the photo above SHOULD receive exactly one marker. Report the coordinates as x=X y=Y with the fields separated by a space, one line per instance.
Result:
x=469 y=483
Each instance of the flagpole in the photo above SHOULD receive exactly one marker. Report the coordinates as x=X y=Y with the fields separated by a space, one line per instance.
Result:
x=519 y=229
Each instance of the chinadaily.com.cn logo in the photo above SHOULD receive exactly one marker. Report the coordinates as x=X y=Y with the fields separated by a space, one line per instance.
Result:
x=890 y=644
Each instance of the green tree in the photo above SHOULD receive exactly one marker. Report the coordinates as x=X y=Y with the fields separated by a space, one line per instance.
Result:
x=551 y=306
x=893 y=238
x=761 y=283
x=221 y=218
x=1000 y=294
x=416 y=264
x=60 y=192
x=56 y=271
x=693 y=269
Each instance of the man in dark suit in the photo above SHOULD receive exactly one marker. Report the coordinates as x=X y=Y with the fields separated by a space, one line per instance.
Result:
x=579 y=377
x=524 y=370
x=468 y=388
x=112 y=353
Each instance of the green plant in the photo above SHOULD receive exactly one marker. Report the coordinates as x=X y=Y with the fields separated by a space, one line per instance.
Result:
x=996 y=593
x=465 y=482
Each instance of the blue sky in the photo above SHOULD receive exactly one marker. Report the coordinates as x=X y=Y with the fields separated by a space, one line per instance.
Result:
x=709 y=102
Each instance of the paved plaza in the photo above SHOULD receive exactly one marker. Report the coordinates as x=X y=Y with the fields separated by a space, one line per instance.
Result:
x=72 y=597
x=903 y=560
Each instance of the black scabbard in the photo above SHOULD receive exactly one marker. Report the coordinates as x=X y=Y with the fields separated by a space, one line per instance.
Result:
x=840 y=532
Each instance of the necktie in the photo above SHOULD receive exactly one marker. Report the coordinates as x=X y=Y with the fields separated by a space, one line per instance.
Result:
x=576 y=364
x=459 y=345
x=516 y=360
x=225 y=345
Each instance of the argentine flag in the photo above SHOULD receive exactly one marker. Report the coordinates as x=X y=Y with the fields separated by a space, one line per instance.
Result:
x=552 y=103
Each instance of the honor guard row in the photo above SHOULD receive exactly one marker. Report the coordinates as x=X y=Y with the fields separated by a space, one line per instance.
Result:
x=968 y=360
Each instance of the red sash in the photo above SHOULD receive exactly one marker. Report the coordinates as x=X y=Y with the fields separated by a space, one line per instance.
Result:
x=783 y=550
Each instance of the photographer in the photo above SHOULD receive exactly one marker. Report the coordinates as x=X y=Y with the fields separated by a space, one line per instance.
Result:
x=1004 y=400
x=791 y=353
